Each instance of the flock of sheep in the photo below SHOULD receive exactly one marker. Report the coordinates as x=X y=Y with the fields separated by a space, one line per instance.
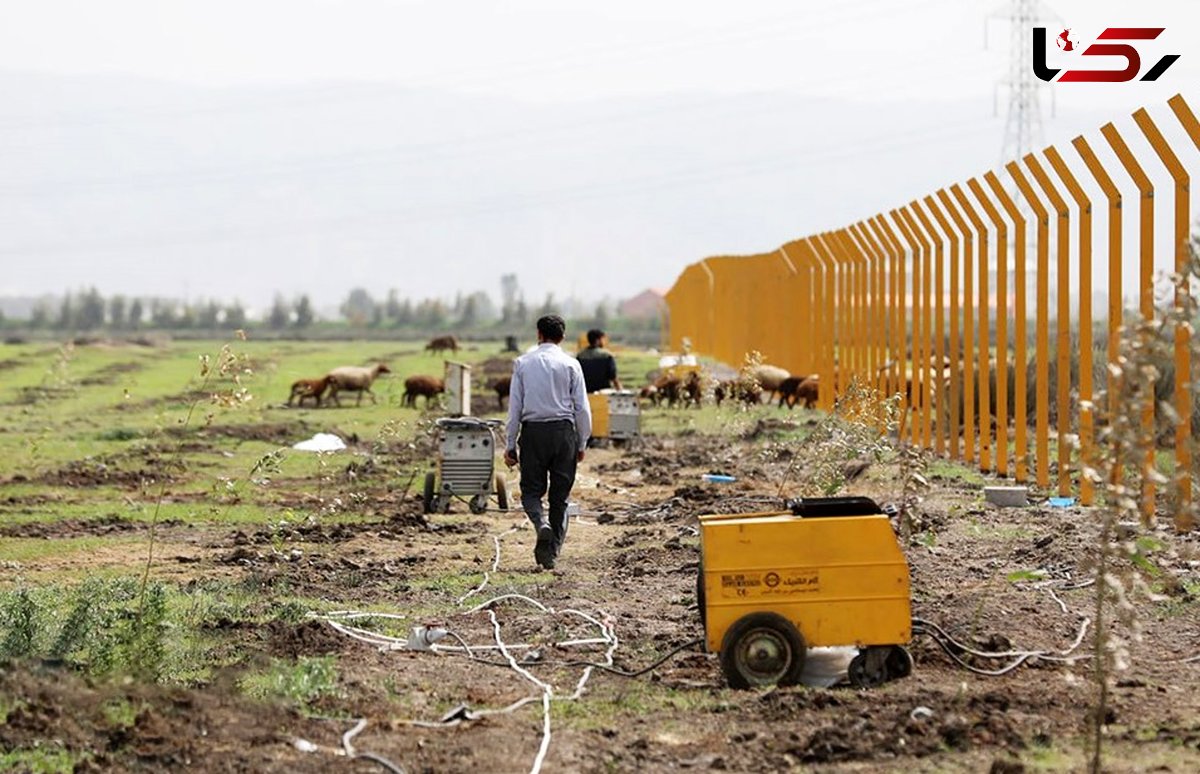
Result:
x=669 y=388
x=359 y=379
x=749 y=387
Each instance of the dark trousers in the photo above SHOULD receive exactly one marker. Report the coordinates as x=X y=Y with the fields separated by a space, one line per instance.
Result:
x=548 y=452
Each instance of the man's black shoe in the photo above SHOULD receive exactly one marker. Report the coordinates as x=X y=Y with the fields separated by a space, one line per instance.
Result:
x=543 y=552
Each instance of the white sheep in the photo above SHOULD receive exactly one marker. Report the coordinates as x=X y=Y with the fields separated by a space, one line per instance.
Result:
x=356 y=379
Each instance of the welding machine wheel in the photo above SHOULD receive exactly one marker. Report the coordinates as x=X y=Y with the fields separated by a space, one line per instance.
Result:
x=478 y=504
x=430 y=500
x=762 y=649
x=876 y=665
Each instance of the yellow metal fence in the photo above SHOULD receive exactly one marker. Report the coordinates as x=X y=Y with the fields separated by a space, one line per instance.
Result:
x=902 y=301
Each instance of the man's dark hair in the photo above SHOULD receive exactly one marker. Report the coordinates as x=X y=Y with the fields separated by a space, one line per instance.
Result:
x=594 y=336
x=552 y=327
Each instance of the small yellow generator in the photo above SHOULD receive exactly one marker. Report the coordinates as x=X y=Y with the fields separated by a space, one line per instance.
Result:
x=827 y=572
x=615 y=415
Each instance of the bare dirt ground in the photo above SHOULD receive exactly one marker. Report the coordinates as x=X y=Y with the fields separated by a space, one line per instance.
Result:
x=985 y=575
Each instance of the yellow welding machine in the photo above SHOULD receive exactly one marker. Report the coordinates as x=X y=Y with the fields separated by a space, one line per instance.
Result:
x=825 y=572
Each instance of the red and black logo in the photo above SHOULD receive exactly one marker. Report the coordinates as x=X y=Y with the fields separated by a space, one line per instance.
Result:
x=1133 y=60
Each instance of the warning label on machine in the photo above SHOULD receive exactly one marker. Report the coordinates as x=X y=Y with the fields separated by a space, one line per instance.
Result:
x=757 y=584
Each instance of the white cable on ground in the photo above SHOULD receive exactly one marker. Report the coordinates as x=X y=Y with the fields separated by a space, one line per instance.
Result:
x=487 y=574
x=547 y=692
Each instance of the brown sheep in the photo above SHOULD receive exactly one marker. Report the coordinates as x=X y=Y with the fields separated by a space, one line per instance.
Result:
x=354 y=379
x=736 y=389
x=309 y=388
x=502 y=386
x=650 y=393
x=790 y=391
x=808 y=391
x=429 y=386
x=441 y=343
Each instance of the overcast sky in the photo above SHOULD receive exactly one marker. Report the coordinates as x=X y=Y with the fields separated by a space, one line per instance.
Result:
x=90 y=78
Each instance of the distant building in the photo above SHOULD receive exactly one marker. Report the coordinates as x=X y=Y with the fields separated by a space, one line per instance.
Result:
x=647 y=305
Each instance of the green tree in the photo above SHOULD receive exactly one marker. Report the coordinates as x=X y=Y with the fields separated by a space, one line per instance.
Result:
x=116 y=312
x=208 y=316
x=304 y=312
x=135 y=313
x=40 y=317
x=235 y=316
x=66 y=314
x=162 y=313
x=392 y=306
x=280 y=315
x=91 y=310
x=359 y=307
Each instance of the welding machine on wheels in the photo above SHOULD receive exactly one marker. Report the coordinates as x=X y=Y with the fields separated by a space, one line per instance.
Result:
x=826 y=572
x=615 y=416
x=466 y=466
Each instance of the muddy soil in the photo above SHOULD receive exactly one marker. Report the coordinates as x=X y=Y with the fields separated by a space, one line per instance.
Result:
x=994 y=579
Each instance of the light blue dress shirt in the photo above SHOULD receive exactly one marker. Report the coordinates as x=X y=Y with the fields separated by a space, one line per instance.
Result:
x=547 y=384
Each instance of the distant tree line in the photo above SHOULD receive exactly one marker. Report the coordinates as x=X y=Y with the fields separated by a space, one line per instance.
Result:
x=88 y=310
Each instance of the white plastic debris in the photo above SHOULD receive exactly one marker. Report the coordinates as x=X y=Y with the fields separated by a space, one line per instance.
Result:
x=824 y=667
x=321 y=442
x=422 y=637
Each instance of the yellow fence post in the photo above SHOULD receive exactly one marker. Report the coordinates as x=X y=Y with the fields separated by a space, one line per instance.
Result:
x=895 y=328
x=881 y=308
x=982 y=332
x=827 y=388
x=872 y=262
x=1021 y=341
x=993 y=215
x=877 y=305
x=1087 y=493
x=1183 y=366
x=1115 y=313
x=924 y=315
x=954 y=429
x=966 y=361
x=1042 y=338
x=1146 y=292
x=849 y=260
x=1062 y=325
x=912 y=377
x=938 y=368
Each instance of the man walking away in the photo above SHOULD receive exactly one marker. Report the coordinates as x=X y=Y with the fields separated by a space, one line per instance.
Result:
x=549 y=421
x=599 y=366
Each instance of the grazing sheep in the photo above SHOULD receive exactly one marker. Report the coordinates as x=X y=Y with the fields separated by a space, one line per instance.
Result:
x=354 y=379
x=650 y=393
x=808 y=391
x=789 y=391
x=309 y=388
x=502 y=386
x=735 y=389
x=429 y=386
x=441 y=343
x=693 y=389
x=768 y=377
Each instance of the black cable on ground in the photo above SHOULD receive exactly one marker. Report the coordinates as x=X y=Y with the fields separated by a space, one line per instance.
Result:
x=640 y=672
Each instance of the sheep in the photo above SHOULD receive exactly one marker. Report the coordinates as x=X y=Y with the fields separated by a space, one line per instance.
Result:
x=502 y=386
x=650 y=393
x=309 y=388
x=736 y=389
x=808 y=391
x=354 y=379
x=768 y=377
x=429 y=386
x=441 y=343
x=789 y=391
